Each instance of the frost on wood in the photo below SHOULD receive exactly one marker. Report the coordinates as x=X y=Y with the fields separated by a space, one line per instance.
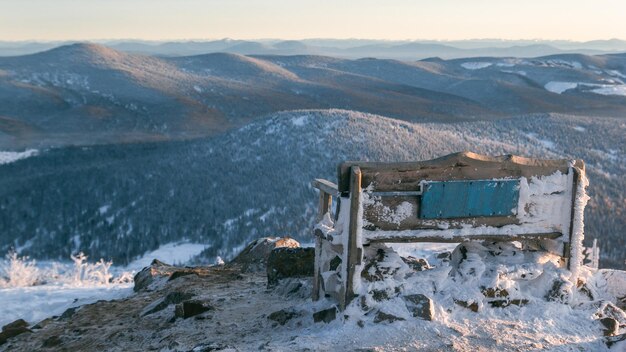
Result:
x=548 y=197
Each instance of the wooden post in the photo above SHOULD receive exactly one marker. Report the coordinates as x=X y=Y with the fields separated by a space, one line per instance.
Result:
x=326 y=201
x=567 y=255
x=353 y=255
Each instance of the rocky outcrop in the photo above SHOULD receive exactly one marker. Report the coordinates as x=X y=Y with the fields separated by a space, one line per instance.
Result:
x=285 y=262
x=191 y=308
x=13 y=329
x=159 y=272
x=254 y=257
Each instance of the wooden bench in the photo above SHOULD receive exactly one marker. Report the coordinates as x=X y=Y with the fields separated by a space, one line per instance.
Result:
x=456 y=198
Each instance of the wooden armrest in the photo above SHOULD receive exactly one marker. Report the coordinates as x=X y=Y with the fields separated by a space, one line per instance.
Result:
x=325 y=186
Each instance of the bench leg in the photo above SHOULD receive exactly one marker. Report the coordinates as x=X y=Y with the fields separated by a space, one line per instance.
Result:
x=353 y=254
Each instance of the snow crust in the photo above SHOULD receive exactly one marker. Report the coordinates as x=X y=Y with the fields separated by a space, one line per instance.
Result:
x=560 y=87
x=36 y=303
x=171 y=253
x=475 y=65
x=9 y=157
x=611 y=90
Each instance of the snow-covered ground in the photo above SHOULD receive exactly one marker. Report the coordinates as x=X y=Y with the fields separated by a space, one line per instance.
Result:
x=560 y=87
x=33 y=290
x=171 y=253
x=36 y=303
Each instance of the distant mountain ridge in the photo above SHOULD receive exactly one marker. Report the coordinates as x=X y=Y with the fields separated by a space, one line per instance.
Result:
x=85 y=94
x=120 y=201
x=346 y=48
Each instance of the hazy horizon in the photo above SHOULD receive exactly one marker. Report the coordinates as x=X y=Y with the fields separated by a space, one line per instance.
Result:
x=446 y=20
x=201 y=39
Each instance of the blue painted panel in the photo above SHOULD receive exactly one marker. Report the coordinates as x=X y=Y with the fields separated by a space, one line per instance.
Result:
x=471 y=198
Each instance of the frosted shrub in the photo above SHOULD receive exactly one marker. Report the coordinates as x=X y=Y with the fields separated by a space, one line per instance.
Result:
x=99 y=272
x=21 y=272
x=18 y=271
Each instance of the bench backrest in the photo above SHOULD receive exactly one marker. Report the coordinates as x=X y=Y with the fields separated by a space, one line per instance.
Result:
x=466 y=196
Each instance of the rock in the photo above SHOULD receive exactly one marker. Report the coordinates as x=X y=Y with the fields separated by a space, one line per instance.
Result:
x=326 y=315
x=69 y=313
x=379 y=295
x=491 y=292
x=560 y=291
x=19 y=323
x=471 y=306
x=13 y=329
x=385 y=317
x=181 y=273
x=502 y=303
x=191 y=308
x=254 y=257
x=171 y=298
x=147 y=275
x=611 y=325
x=445 y=256
x=212 y=346
x=284 y=262
x=421 y=306
x=42 y=324
x=159 y=271
x=282 y=316
x=52 y=341
x=610 y=310
x=417 y=264
x=611 y=340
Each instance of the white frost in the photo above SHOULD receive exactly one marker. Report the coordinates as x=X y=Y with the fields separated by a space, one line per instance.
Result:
x=611 y=90
x=9 y=157
x=171 y=253
x=475 y=65
x=560 y=87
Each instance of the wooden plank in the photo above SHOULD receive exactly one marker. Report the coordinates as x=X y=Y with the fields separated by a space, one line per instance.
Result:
x=386 y=177
x=383 y=214
x=325 y=186
x=567 y=249
x=469 y=199
x=325 y=204
x=458 y=239
x=353 y=255
x=325 y=201
x=316 y=270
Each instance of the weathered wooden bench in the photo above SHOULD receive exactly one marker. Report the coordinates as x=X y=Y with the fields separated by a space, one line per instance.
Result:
x=456 y=198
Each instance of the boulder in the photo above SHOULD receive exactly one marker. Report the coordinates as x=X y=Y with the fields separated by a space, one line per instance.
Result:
x=326 y=315
x=611 y=326
x=282 y=316
x=147 y=275
x=473 y=306
x=171 y=298
x=417 y=264
x=503 y=303
x=385 y=317
x=52 y=341
x=162 y=272
x=560 y=291
x=188 y=309
x=421 y=306
x=13 y=329
x=287 y=262
x=254 y=257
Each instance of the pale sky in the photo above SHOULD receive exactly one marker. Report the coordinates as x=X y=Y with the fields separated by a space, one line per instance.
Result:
x=578 y=20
